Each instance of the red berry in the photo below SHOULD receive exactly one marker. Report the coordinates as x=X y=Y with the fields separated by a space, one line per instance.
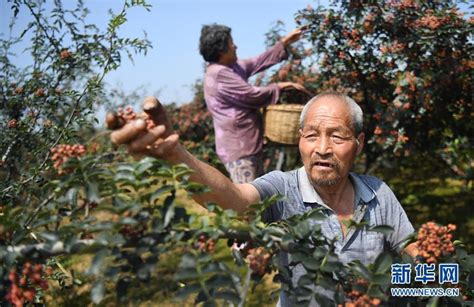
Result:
x=29 y=294
x=23 y=281
x=13 y=123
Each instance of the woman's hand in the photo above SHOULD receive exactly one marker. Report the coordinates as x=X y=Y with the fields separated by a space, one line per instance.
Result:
x=292 y=37
x=142 y=137
x=293 y=85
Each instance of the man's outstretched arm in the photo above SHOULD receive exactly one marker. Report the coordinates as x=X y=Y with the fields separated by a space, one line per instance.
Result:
x=161 y=142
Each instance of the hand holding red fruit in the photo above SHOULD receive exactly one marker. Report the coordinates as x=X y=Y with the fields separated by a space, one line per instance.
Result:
x=149 y=133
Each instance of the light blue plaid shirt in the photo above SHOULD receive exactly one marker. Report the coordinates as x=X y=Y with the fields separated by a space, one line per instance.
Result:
x=374 y=203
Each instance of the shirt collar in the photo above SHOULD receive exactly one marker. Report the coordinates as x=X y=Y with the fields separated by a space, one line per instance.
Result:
x=362 y=191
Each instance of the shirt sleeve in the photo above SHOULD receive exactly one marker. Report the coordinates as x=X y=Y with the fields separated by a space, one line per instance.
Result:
x=395 y=217
x=272 y=56
x=268 y=185
x=236 y=91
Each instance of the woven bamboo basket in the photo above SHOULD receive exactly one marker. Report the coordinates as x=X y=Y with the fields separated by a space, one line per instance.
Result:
x=282 y=122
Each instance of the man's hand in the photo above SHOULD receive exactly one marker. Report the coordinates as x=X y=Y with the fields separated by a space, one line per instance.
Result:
x=292 y=37
x=157 y=141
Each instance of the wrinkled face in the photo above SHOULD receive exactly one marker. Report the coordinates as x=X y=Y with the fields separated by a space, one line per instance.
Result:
x=328 y=145
x=230 y=56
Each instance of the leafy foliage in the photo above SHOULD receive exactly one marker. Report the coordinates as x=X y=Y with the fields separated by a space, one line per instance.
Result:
x=128 y=216
x=409 y=64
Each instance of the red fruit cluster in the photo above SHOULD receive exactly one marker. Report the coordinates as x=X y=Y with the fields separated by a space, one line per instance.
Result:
x=65 y=53
x=433 y=22
x=404 y=4
x=258 y=260
x=63 y=152
x=40 y=92
x=358 y=299
x=434 y=241
x=19 y=90
x=128 y=115
x=22 y=288
x=191 y=119
x=12 y=123
x=362 y=301
x=205 y=245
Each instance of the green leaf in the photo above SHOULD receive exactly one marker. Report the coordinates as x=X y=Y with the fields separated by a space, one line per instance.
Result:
x=168 y=216
x=322 y=300
x=311 y=264
x=326 y=282
x=187 y=273
x=212 y=268
x=297 y=256
x=239 y=260
x=187 y=290
x=460 y=253
x=381 y=280
x=125 y=177
x=305 y=280
x=71 y=196
x=97 y=262
x=128 y=221
x=303 y=293
x=374 y=291
x=302 y=229
x=220 y=281
x=278 y=231
x=354 y=224
x=320 y=252
x=144 y=165
x=385 y=229
x=286 y=241
x=317 y=215
x=187 y=261
x=92 y=192
x=330 y=263
x=98 y=291
x=359 y=268
x=383 y=262
x=125 y=168
x=49 y=236
x=163 y=189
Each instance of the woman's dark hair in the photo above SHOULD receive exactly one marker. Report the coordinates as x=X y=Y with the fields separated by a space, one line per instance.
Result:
x=214 y=41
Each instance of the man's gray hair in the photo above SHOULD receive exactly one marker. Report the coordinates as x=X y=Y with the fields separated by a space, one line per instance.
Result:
x=355 y=110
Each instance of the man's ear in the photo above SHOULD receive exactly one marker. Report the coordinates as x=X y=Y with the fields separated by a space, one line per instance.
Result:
x=360 y=142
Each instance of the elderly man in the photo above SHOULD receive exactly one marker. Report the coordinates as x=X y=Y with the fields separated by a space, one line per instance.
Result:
x=331 y=138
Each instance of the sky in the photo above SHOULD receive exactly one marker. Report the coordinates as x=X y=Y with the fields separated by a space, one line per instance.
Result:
x=173 y=65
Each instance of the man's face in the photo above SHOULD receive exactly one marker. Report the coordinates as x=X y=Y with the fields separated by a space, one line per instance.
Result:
x=328 y=145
